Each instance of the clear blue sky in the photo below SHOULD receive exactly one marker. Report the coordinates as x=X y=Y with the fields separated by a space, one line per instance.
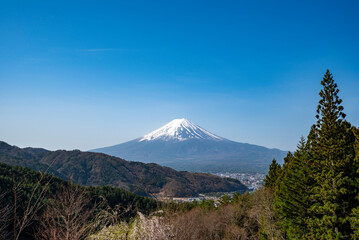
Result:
x=96 y=73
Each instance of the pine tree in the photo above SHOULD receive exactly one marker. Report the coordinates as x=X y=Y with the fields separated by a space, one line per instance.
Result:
x=332 y=196
x=273 y=174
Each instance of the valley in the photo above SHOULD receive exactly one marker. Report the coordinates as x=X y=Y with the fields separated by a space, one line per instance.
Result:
x=252 y=181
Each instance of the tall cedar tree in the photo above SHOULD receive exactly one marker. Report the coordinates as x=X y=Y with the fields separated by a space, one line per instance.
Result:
x=332 y=197
x=274 y=172
x=291 y=192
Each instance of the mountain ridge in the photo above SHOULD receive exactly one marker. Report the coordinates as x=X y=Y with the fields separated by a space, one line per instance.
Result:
x=95 y=169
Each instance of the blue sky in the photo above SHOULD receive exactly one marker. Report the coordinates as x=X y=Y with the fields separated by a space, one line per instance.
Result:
x=96 y=73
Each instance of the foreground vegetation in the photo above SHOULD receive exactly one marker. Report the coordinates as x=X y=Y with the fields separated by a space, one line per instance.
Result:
x=314 y=195
x=41 y=206
x=33 y=202
x=246 y=216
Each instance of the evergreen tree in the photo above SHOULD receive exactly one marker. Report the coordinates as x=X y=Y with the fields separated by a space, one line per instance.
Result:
x=273 y=174
x=354 y=219
x=332 y=196
x=291 y=194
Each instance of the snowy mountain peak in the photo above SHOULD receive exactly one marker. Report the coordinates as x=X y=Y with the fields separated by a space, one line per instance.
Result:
x=180 y=130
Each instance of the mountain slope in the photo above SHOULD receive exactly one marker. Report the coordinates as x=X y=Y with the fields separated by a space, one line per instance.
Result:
x=96 y=169
x=185 y=146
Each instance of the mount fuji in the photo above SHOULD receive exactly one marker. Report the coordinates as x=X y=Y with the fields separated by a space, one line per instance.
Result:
x=183 y=145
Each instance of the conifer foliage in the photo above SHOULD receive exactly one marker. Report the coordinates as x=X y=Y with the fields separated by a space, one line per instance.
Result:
x=273 y=174
x=316 y=194
x=291 y=192
x=334 y=169
x=354 y=219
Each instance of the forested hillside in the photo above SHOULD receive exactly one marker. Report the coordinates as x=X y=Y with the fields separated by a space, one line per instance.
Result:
x=96 y=169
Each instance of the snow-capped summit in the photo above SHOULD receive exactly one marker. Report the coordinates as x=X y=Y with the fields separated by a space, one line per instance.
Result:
x=180 y=130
